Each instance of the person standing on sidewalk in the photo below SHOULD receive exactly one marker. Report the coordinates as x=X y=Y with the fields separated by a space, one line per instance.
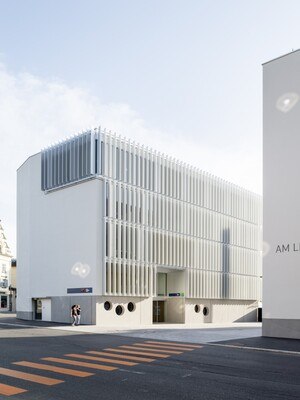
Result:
x=74 y=314
x=78 y=314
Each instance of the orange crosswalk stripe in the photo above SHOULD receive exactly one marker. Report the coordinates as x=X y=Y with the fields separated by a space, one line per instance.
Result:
x=149 y=347
x=175 y=344
x=80 y=363
x=53 y=368
x=126 y=357
x=107 y=360
x=29 y=377
x=161 y=346
x=122 y=350
x=8 y=390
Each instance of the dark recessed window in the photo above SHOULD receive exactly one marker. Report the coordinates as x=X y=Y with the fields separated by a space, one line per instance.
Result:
x=197 y=308
x=205 y=311
x=107 y=305
x=119 y=310
x=131 y=307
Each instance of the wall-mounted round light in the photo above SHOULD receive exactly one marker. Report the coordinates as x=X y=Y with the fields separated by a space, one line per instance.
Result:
x=287 y=101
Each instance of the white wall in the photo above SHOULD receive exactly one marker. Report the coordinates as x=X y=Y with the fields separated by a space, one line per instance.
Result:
x=281 y=270
x=24 y=210
x=175 y=310
x=176 y=282
x=192 y=317
x=220 y=311
x=142 y=315
x=46 y=309
x=233 y=311
x=55 y=231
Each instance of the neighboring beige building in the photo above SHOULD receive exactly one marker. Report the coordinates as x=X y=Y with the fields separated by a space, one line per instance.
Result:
x=5 y=273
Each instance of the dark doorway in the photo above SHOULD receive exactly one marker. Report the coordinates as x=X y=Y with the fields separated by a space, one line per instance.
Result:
x=158 y=311
x=38 y=309
x=3 y=301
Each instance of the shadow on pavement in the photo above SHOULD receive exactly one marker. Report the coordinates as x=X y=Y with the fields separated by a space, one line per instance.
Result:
x=265 y=343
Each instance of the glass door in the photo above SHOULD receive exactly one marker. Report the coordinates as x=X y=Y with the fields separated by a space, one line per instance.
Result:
x=158 y=311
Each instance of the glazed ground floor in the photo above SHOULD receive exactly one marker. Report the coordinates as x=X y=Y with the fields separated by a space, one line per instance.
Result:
x=127 y=311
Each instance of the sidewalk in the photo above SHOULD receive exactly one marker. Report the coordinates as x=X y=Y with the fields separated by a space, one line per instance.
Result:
x=240 y=335
x=201 y=333
x=204 y=333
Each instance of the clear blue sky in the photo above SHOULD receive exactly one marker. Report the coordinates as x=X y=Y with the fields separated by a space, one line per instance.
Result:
x=190 y=70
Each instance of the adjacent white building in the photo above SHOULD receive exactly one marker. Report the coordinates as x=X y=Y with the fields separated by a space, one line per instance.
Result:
x=134 y=236
x=281 y=125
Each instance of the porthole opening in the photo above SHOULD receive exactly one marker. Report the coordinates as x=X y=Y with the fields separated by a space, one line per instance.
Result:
x=107 y=305
x=197 y=308
x=205 y=310
x=131 y=307
x=119 y=310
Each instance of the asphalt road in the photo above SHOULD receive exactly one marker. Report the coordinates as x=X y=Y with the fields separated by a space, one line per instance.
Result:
x=206 y=372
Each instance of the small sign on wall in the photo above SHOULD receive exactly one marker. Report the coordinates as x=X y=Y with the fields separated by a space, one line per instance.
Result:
x=80 y=290
x=176 y=294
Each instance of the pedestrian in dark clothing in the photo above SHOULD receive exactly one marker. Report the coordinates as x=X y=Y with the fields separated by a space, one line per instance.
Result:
x=74 y=314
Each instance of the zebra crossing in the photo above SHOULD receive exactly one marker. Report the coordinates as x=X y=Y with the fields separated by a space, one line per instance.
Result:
x=90 y=362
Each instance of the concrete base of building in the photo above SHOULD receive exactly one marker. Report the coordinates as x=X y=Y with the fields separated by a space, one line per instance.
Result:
x=220 y=311
x=281 y=328
x=26 y=315
x=108 y=311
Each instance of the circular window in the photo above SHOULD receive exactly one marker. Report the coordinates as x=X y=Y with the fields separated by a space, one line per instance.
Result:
x=197 y=308
x=205 y=311
x=119 y=310
x=107 y=305
x=130 y=307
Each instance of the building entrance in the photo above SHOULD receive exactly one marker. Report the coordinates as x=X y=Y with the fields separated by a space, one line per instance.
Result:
x=158 y=311
x=37 y=309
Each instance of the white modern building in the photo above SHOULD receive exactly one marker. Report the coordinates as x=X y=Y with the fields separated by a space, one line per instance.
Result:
x=5 y=272
x=134 y=237
x=281 y=266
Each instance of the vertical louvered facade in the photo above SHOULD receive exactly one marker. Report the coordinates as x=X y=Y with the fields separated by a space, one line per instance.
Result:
x=160 y=212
